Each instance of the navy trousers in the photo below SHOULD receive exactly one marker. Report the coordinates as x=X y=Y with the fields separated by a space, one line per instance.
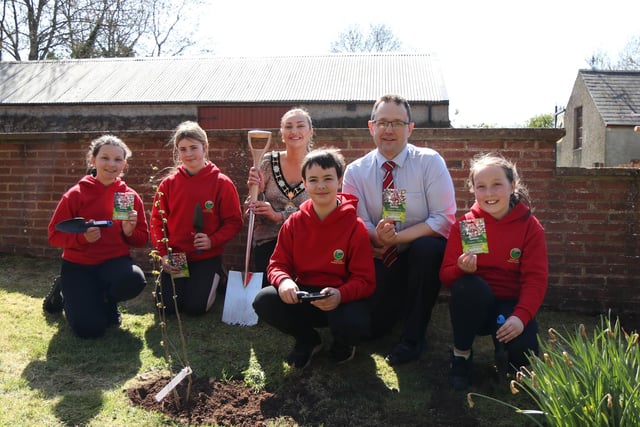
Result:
x=192 y=293
x=408 y=289
x=91 y=293
x=474 y=310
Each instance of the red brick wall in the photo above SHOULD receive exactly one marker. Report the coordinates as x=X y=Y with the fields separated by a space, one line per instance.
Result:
x=591 y=216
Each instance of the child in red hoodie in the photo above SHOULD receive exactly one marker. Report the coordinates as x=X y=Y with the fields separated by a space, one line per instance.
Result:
x=507 y=283
x=195 y=185
x=97 y=271
x=323 y=248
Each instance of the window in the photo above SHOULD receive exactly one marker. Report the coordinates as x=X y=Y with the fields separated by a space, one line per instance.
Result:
x=577 y=129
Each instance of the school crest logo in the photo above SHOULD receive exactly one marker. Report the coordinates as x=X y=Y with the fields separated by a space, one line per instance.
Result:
x=338 y=257
x=514 y=255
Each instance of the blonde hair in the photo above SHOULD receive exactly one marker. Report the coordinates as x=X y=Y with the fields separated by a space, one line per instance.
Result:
x=191 y=130
x=520 y=193
x=293 y=112
x=301 y=111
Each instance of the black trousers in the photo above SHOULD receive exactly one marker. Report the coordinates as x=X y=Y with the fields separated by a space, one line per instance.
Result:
x=91 y=292
x=408 y=289
x=261 y=256
x=348 y=323
x=474 y=310
x=192 y=293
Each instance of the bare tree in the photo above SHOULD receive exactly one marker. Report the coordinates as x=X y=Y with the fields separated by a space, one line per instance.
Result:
x=167 y=34
x=349 y=40
x=599 y=60
x=30 y=27
x=628 y=58
x=380 y=38
x=93 y=28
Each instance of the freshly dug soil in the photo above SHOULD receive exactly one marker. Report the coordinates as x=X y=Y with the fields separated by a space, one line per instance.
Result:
x=224 y=403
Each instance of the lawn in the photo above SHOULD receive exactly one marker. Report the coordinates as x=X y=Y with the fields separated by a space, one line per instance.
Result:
x=48 y=377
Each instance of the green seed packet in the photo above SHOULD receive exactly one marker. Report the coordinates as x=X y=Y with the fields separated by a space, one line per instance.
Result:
x=122 y=205
x=179 y=260
x=474 y=236
x=394 y=204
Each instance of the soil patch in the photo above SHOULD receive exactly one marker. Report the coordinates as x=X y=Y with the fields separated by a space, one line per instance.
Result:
x=232 y=403
x=210 y=402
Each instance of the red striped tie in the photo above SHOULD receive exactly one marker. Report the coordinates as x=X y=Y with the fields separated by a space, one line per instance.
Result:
x=391 y=255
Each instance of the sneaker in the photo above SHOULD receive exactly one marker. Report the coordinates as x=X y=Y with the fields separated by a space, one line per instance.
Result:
x=115 y=319
x=53 y=302
x=342 y=353
x=301 y=356
x=460 y=372
x=501 y=363
x=404 y=352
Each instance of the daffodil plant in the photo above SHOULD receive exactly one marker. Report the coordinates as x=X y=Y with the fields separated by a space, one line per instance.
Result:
x=582 y=381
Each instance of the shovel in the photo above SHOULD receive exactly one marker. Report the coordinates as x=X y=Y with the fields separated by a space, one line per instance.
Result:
x=79 y=225
x=242 y=289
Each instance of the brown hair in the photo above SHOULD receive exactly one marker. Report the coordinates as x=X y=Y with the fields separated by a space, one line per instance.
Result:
x=326 y=158
x=98 y=143
x=520 y=192
x=399 y=100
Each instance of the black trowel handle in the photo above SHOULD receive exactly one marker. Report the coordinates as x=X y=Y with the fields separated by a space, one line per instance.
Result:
x=79 y=225
x=103 y=223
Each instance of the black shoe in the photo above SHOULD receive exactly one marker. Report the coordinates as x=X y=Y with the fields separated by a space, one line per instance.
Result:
x=53 y=302
x=341 y=353
x=501 y=360
x=115 y=320
x=404 y=352
x=114 y=317
x=460 y=372
x=301 y=355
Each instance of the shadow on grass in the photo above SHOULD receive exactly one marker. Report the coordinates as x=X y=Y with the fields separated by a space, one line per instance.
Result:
x=77 y=374
x=79 y=371
x=29 y=276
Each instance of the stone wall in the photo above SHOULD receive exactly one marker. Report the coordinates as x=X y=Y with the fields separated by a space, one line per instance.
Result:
x=591 y=216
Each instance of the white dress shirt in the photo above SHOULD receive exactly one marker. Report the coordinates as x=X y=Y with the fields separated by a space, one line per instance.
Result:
x=422 y=172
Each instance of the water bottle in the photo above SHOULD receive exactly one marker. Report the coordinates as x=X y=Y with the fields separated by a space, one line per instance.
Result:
x=501 y=354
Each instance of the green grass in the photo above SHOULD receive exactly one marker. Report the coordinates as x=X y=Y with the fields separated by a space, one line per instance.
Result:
x=48 y=377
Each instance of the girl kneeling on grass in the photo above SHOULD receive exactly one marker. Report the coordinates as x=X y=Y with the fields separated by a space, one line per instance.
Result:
x=508 y=281
x=97 y=270
x=322 y=248
x=196 y=212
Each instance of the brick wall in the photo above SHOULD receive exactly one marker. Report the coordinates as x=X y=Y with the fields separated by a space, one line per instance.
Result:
x=591 y=216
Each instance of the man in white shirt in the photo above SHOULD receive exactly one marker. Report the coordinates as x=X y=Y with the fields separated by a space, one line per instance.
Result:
x=408 y=223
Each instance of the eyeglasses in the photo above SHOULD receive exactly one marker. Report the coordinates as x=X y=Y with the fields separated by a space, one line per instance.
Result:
x=396 y=124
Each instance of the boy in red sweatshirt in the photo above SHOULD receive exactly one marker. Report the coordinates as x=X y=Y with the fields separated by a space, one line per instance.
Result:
x=508 y=282
x=323 y=248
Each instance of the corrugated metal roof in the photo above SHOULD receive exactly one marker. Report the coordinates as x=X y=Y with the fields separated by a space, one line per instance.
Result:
x=332 y=78
x=616 y=94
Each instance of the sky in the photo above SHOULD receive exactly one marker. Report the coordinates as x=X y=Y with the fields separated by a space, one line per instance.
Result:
x=503 y=62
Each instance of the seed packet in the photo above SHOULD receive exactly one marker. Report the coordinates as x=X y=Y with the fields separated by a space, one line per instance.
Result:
x=474 y=236
x=394 y=204
x=179 y=260
x=122 y=205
